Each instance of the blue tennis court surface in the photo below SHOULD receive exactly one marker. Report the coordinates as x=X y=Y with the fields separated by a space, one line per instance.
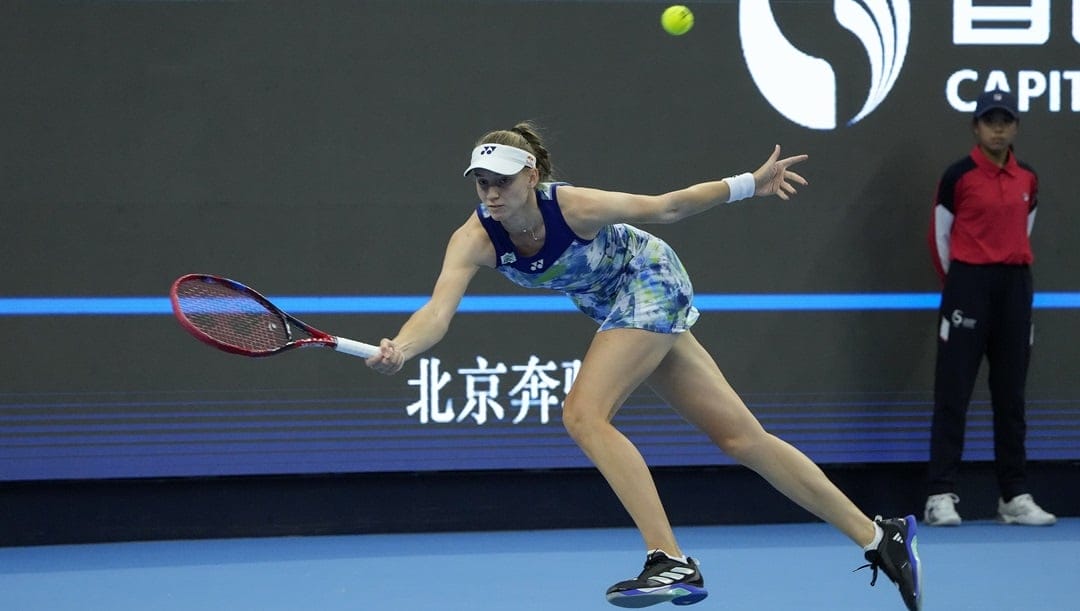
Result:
x=981 y=566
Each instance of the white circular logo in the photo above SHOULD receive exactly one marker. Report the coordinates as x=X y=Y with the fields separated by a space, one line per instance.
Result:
x=802 y=87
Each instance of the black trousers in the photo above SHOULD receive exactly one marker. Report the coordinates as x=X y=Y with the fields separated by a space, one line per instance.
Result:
x=985 y=311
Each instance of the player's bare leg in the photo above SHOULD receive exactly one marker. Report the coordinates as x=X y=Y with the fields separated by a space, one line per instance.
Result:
x=616 y=363
x=689 y=379
x=614 y=366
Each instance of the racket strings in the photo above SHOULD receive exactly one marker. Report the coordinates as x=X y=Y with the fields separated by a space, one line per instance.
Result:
x=231 y=316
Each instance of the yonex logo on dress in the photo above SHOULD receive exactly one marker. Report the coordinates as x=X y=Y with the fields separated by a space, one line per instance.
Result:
x=537 y=265
x=803 y=87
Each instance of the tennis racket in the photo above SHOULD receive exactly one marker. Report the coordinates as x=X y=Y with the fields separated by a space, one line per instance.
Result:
x=235 y=318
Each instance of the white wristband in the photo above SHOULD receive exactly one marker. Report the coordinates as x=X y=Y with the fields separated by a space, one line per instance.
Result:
x=741 y=186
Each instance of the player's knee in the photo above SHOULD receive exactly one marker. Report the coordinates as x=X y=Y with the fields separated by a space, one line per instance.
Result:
x=575 y=423
x=579 y=421
x=742 y=448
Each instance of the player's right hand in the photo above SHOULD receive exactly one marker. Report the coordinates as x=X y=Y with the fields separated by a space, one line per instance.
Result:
x=389 y=360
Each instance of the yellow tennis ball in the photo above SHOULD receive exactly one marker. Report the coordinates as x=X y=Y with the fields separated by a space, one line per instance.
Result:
x=677 y=20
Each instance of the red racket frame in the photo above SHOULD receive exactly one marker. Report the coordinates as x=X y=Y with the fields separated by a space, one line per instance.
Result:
x=317 y=337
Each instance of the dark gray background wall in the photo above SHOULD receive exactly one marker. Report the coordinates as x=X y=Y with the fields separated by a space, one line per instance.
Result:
x=226 y=134
x=315 y=147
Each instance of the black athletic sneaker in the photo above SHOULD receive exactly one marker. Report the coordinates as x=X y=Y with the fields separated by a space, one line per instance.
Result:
x=898 y=556
x=662 y=580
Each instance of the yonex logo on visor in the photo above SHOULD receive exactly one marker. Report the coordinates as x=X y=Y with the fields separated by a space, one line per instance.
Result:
x=501 y=159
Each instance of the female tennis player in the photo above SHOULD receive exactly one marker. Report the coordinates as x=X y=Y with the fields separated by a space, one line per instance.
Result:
x=584 y=242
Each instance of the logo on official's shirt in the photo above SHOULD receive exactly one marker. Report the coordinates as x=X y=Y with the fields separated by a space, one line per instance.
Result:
x=507 y=258
x=959 y=320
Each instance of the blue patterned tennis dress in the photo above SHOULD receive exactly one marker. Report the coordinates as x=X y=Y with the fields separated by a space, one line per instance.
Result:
x=622 y=278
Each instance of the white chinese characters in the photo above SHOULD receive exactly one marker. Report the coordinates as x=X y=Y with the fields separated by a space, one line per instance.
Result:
x=538 y=387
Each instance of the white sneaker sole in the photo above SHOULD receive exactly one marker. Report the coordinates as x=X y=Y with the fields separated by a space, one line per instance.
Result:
x=1021 y=521
x=930 y=521
x=682 y=594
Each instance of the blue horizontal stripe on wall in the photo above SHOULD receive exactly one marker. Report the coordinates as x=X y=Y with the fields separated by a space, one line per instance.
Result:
x=495 y=304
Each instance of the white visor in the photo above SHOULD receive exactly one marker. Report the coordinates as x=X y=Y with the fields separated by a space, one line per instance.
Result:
x=501 y=159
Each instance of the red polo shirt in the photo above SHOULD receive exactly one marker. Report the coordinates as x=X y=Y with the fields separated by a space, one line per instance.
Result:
x=990 y=207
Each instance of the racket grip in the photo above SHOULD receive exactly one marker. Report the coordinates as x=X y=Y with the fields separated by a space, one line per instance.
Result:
x=355 y=348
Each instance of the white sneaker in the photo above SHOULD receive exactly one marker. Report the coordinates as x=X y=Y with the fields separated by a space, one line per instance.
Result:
x=941 y=510
x=1022 y=509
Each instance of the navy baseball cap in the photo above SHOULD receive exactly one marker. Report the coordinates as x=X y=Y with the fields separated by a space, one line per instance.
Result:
x=996 y=99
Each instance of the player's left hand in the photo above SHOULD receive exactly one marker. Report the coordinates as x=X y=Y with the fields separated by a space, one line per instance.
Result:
x=774 y=177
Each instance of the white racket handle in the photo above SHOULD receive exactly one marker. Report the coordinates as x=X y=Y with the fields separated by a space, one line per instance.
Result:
x=355 y=348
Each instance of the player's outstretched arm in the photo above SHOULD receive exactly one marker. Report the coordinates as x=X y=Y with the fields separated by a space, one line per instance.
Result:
x=428 y=325
x=587 y=210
